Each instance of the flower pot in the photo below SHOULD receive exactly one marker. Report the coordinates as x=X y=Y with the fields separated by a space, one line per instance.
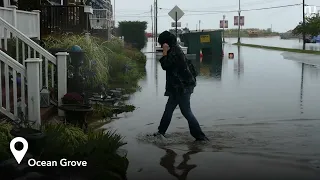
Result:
x=34 y=137
x=76 y=114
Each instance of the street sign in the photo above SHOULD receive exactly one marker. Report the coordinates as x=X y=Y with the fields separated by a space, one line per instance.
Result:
x=173 y=24
x=176 y=11
x=204 y=38
x=224 y=25
x=241 y=20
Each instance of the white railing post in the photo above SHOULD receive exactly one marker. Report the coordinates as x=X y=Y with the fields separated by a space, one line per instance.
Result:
x=38 y=22
x=62 y=77
x=14 y=15
x=33 y=71
x=87 y=35
x=6 y=3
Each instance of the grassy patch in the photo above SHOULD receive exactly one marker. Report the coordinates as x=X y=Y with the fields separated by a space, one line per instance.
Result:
x=278 y=48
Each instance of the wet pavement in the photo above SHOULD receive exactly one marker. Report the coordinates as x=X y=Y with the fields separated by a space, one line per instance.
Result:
x=260 y=111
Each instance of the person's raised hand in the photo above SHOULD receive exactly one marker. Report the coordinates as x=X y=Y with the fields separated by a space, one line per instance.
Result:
x=165 y=48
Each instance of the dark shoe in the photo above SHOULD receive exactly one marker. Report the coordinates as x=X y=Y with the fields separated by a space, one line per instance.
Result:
x=204 y=139
x=157 y=134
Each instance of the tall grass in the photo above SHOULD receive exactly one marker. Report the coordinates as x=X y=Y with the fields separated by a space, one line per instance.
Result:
x=107 y=59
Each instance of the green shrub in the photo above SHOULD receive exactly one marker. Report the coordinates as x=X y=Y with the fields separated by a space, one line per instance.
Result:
x=98 y=148
x=5 y=138
x=63 y=141
x=134 y=33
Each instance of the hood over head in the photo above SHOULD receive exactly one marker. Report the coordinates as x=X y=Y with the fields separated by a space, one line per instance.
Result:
x=167 y=37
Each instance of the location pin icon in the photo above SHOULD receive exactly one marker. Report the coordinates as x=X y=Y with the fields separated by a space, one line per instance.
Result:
x=18 y=155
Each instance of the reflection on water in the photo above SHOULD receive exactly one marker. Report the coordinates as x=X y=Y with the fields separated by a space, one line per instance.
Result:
x=301 y=89
x=168 y=161
x=238 y=63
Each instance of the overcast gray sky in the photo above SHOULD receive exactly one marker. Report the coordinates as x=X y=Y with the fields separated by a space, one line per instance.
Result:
x=281 y=19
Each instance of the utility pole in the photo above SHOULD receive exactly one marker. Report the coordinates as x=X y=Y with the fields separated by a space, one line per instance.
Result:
x=176 y=21
x=152 y=22
x=199 y=25
x=303 y=26
x=224 y=17
x=114 y=12
x=156 y=25
x=239 y=12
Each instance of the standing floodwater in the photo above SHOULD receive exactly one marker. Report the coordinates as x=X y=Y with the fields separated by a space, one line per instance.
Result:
x=260 y=110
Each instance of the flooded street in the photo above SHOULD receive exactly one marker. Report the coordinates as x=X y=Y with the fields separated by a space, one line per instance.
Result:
x=259 y=110
x=276 y=42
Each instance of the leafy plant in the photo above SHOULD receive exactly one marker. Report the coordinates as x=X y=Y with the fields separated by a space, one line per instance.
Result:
x=311 y=27
x=5 y=138
x=101 y=111
x=98 y=148
x=64 y=141
x=21 y=122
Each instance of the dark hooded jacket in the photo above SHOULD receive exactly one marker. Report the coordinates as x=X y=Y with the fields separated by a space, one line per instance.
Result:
x=179 y=79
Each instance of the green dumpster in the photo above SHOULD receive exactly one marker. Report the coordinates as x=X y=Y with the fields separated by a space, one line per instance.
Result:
x=210 y=43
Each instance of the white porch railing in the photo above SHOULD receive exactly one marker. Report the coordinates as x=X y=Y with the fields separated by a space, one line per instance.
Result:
x=26 y=22
x=40 y=70
x=9 y=88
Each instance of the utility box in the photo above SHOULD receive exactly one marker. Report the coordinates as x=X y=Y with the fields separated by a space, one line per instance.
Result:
x=210 y=43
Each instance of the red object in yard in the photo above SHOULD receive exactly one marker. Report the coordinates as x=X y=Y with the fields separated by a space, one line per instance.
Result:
x=201 y=55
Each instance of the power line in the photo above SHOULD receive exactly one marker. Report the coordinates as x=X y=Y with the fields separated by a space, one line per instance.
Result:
x=312 y=5
x=147 y=12
x=253 y=3
x=255 y=9
x=231 y=11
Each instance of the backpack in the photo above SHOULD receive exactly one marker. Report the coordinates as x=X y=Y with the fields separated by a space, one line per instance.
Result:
x=192 y=69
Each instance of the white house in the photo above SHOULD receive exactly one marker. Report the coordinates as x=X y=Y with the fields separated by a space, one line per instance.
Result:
x=102 y=17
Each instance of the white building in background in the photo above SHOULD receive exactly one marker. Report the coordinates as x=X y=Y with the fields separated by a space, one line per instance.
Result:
x=102 y=17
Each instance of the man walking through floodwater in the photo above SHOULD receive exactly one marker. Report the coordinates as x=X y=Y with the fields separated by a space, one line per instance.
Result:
x=180 y=82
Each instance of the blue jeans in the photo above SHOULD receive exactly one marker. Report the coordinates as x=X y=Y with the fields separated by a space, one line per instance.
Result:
x=184 y=103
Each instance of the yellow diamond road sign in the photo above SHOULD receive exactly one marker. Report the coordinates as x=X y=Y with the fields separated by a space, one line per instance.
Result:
x=176 y=11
